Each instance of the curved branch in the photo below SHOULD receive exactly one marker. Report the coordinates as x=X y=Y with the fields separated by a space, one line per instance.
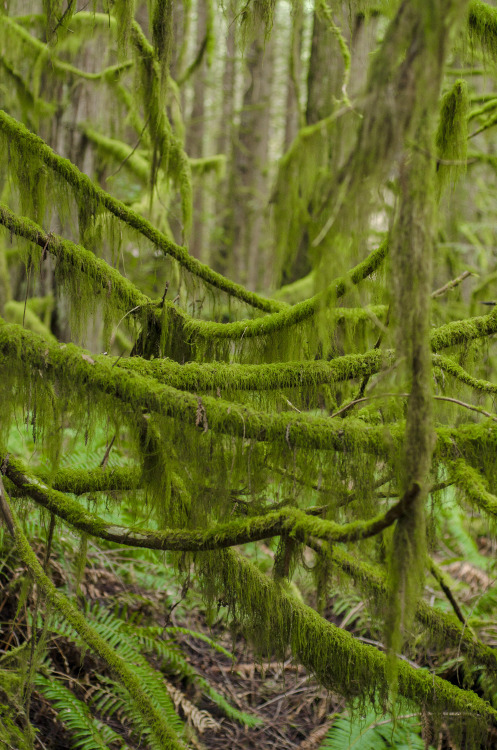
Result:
x=294 y=315
x=69 y=363
x=60 y=65
x=288 y=521
x=472 y=483
x=448 y=365
x=85 y=190
x=444 y=626
x=333 y=655
x=105 y=278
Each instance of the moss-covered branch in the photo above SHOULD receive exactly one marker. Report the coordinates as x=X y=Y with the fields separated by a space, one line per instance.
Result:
x=444 y=627
x=85 y=481
x=68 y=364
x=472 y=484
x=290 y=316
x=161 y=732
x=46 y=52
x=75 y=259
x=371 y=580
x=109 y=280
x=459 y=331
x=482 y=26
x=288 y=521
x=448 y=365
x=194 y=376
x=86 y=191
x=275 y=620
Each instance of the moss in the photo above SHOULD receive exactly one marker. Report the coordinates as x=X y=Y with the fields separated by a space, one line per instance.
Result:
x=482 y=26
x=84 y=276
x=84 y=481
x=452 y=368
x=124 y=12
x=297 y=314
x=460 y=331
x=337 y=660
x=162 y=32
x=219 y=377
x=473 y=486
x=17 y=312
x=289 y=522
x=288 y=430
x=46 y=55
x=452 y=134
x=442 y=626
x=88 y=194
x=122 y=152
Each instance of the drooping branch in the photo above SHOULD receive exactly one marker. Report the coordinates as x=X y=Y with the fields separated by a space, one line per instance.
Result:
x=110 y=280
x=448 y=365
x=470 y=481
x=77 y=260
x=371 y=581
x=85 y=190
x=68 y=363
x=336 y=659
x=288 y=521
x=162 y=733
x=46 y=52
x=294 y=315
x=106 y=279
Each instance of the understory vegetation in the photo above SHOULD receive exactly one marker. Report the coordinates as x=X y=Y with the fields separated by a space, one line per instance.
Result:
x=248 y=284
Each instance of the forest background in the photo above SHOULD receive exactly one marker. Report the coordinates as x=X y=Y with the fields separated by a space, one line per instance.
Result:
x=247 y=380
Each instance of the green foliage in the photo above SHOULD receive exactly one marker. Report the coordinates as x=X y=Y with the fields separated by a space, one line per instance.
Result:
x=314 y=423
x=374 y=732
x=87 y=732
x=452 y=134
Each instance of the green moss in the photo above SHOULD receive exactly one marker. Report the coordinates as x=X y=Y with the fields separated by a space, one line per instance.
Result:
x=443 y=627
x=336 y=659
x=452 y=134
x=17 y=312
x=473 y=486
x=91 y=197
x=225 y=378
x=482 y=26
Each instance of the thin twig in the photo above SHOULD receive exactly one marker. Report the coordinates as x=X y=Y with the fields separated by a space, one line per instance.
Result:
x=131 y=152
x=440 y=578
x=477 y=409
x=451 y=284
x=103 y=462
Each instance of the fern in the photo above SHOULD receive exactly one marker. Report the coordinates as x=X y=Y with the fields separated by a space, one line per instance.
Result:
x=374 y=732
x=132 y=641
x=88 y=732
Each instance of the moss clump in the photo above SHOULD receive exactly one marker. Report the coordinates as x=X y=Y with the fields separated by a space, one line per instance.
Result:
x=452 y=134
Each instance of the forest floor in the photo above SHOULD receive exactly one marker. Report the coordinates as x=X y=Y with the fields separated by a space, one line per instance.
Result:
x=294 y=711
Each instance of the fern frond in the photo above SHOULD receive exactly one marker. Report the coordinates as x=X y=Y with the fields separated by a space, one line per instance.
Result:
x=374 y=732
x=88 y=732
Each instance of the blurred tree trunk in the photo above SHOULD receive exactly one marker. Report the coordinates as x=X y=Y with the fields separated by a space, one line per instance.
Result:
x=195 y=131
x=294 y=118
x=249 y=192
x=221 y=250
